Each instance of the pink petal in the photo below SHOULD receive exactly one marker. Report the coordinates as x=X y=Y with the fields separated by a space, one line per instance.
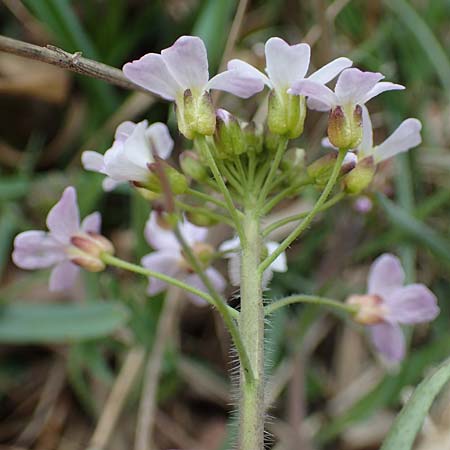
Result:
x=166 y=262
x=388 y=339
x=151 y=73
x=411 y=304
x=381 y=87
x=92 y=223
x=63 y=220
x=330 y=70
x=246 y=69
x=194 y=280
x=109 y=184
x=36 y=250
x=385 y=275
x=160 y=139
x=318 y=92
x=187 y=62
x=406 y=136
x=160 y=238
x=317 y=105
x=63 y=276
x=366 y=146
x=353 y=85
x=286 y=63
x=238 y=83
x=193 y=233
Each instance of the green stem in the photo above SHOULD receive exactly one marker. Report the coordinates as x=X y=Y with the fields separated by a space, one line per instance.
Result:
x=219 y=303
x=207 y=212
x=125 y=265
x=251 y=326
x=312 y=299
x=273 y=168
x=206 y=197
x=282 y=195
x=308 y=219
x=221 y=184
x=280 y=223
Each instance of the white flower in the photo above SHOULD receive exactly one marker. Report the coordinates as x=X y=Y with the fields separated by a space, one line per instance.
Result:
x=168 y=258
x=133 y=149
x=231 y=248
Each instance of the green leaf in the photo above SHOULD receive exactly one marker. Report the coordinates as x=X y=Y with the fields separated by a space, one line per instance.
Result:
x=26 y=323
x=408 y=423
x=415 y=229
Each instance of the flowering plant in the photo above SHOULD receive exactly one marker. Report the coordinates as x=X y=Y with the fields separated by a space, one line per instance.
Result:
x=236 y=173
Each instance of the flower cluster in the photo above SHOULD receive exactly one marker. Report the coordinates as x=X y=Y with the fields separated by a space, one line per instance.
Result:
x=235 y=166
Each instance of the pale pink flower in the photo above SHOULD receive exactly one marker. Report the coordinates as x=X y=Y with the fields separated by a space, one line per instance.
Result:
x=134 y=148
x=39 y=249
x=168 y=257
x=389 y=304
x=184 y=66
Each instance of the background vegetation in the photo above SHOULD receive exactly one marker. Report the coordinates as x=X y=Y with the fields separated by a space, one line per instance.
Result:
x=58 y=363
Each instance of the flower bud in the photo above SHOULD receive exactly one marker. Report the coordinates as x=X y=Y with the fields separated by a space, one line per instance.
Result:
x=360 y=177
x=192 y=167
x=228 y=138
x=200 y=219
x=271 y=141
x=370 y=309
x=86 y=251
x=253 y=135
x=321 y=169
x=177 y=181
x=286 y=115
x=345 y=127
x=293 y=159
x=196 y=115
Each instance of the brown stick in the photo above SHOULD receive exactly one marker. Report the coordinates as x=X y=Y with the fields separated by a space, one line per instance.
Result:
x=70 y=61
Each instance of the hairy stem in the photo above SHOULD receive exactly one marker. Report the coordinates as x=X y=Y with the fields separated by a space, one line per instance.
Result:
x=251 y=326
x=125 y=265
x=311 y=299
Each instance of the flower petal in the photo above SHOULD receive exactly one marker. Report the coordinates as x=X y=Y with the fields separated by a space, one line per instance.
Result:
x=318 y=92
x=160 y=139
x=36 y=250
x=366 y=146
x=124 y=130
x=63 y=276
x=406 y=136
x=63 y=220
x=246 y=69
x=280 y=263
x=316 y=105
x=385 y=275
x=286 y=63
x=353 y=85
x=93 y=161
x=187 y=62
x=158 y=237
x=234 y=269
x=109 y=184
x=127 y=161
x=236 y=82
x=92 y=223
x=330 y=70
x=382 y=87
x=194 y=280
x=165 y=262
x=388 y=339
x=411 y=304
x=230 y=246
x=193 y=233
x=152 y=74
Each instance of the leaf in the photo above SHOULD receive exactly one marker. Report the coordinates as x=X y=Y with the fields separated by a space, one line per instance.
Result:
x=416 y=229
x=26 y=323
x=408 y=423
